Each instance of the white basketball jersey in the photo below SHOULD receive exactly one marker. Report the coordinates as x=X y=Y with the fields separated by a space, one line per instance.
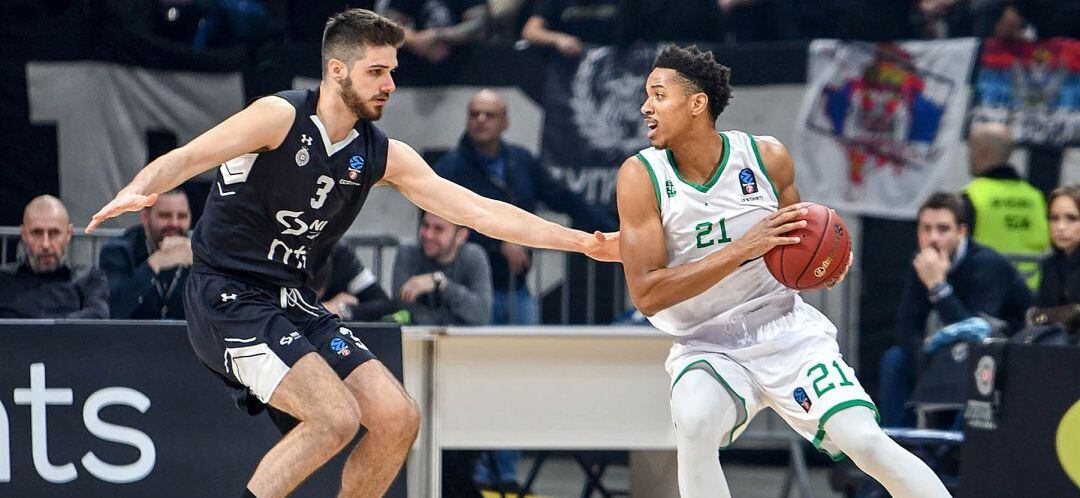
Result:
x=701 y=219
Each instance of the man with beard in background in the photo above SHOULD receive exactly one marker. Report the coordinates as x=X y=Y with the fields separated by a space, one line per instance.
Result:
x=43 y=284
x=148 y=264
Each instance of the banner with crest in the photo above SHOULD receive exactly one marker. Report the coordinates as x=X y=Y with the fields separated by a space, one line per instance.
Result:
x=592 y=117
x=1034 y=87
x=879 y=123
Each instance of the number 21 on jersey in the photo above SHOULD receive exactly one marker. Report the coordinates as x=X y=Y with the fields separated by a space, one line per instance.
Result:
x=705 y=229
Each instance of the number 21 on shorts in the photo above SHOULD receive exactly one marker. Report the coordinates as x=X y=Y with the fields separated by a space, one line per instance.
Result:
x=825 y=377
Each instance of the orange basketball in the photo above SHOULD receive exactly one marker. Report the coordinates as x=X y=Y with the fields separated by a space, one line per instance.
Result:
x=820 y=256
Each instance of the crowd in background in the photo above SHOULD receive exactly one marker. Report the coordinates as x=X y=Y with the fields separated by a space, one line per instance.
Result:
x=437 y=26
x=961 y=286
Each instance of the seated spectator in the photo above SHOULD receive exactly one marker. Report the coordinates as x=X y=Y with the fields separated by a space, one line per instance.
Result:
x=957 y=279
x=491 y=167
x=351 y=291
x=446 y=280
x=566 y=25
x=434 y=27
x=443 y=280
x=148 y=264
x=1004 y=212
x=44 y=285
x=1061 y=270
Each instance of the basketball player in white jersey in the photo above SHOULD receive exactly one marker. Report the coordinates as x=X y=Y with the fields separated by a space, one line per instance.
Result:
x=698 y=211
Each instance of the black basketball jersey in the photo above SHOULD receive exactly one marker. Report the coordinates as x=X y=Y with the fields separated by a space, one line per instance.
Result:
x=273 y=218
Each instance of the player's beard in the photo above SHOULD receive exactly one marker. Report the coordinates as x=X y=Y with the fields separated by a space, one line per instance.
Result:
x=355 y=104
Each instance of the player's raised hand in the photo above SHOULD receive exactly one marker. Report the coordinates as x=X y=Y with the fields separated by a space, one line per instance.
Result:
x=125 y=201
x=769 y=231
x=603 y=246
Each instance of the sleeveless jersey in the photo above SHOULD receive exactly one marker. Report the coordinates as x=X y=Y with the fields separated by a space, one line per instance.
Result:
x=701 y=219
x=272 y=218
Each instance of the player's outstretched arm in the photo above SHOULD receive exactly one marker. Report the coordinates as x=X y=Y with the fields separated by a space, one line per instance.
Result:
x=407 y=171
x=653 y=285
x=261 y=126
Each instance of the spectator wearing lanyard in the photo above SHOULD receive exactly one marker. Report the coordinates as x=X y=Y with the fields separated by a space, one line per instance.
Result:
x=148 y=263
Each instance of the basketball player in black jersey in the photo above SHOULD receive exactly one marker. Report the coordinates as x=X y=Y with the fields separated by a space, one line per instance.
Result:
x=294 y=170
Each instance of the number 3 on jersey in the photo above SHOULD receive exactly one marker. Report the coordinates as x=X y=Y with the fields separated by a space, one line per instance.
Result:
x=324 y=184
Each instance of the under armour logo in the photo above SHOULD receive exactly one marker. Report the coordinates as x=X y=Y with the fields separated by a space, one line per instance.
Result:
x=227 y=297
x=304 y=139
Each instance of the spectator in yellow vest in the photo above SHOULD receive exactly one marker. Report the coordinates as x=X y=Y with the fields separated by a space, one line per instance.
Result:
x=1005 y=212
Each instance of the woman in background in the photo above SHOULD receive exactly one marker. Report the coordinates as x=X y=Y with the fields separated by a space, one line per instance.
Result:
x=1061 y=270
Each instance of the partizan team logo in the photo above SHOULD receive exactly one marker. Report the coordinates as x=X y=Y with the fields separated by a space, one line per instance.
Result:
x=985 y=371
x=302 y=155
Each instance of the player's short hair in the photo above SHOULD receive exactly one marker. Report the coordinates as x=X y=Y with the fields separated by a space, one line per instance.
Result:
x=700 y=72
x=949 y=201
x=348 y=32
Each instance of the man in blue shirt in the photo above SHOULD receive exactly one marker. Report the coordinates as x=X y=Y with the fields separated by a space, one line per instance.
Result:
x=492 y=167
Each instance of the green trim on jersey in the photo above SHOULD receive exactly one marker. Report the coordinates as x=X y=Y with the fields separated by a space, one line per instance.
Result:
x=761 y=164
x=820 y=436
x=745 y=415
x=716 y=174
x=652 y=176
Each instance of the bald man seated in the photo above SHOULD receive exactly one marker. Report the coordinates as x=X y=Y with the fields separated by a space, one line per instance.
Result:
x=43 y=284
x=1004 y=211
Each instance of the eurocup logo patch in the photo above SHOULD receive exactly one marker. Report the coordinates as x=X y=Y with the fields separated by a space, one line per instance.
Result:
x=802 y=399
x=356 y=165
x=340 y=347
x=748 y=181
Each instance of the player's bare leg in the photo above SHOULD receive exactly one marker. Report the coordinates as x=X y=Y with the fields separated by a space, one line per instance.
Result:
x=328 y=419
x=702 y=411
x=392 y=420
x=904 y=475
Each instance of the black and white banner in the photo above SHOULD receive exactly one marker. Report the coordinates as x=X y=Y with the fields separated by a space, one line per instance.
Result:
x=592 y=117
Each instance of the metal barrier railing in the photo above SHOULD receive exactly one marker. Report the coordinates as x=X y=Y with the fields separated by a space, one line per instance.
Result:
x=543 y=286
x=549 y=276
x=85 y=248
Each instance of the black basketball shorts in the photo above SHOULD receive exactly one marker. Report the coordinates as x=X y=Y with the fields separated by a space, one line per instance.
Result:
x=252 y=335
